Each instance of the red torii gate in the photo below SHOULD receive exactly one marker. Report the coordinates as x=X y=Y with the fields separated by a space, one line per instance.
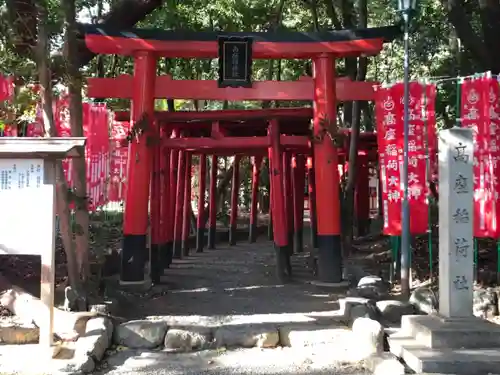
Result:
x=227 y=133
x=323 y=47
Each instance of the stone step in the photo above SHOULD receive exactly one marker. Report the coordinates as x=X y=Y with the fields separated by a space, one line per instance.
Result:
x=398 y=341
x=433 y=332
x=451 y=361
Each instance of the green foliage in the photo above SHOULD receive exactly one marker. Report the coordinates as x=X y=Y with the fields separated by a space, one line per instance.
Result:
x=432 y=54
x=435 y=50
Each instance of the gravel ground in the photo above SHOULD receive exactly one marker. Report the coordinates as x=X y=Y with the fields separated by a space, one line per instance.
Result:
x=235 y=285
x=286 y=361
x=234 y=281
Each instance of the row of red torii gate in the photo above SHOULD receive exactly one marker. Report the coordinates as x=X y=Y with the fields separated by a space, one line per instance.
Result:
x=161 y=144
x=162 y=141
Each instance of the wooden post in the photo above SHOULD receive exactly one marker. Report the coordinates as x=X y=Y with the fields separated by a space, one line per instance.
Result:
x=179 y=204
x=288 y=191
x=155 y=263
x=252 y=231
x=174 y=161
x=299 y=179
x=200 y=220
x=283 y=266
x=313 y=228
x=186 y=213
x=212 y=205
x=48 y=259
x=235 y=193
x=136 y=212
x=166 y=218
x=325 y=171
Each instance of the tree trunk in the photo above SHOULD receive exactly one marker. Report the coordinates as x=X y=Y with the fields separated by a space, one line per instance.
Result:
x=355 y=115
x=42 y=60
x=484 y=50
x=23 y=21
x=23 y=24
x=100 y=58
x=332 y=14
x=79 y=170
x=221 y=189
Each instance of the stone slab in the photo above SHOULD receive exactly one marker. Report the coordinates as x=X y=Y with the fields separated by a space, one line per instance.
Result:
x=452 y=361
x=13 y=331
x=188 y=338
x=310 y=335
x=434 y=332
x=398 y=341
x=262 y=336
x=140 y=334
x=216 y=321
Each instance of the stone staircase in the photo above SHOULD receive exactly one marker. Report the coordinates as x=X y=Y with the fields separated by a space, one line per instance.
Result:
x=431 y=344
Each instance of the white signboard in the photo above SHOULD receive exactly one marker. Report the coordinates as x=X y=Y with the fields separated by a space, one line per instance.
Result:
x=26 y=208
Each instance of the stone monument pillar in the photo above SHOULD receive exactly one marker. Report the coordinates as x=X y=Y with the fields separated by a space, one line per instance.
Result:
x=456 y=260
x=453 y=341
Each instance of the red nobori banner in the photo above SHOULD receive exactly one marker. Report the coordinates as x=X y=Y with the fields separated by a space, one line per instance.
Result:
x=95 y=122
x=118 y=163
x=390 y=122
x=390 y=135
x=494 y=149
x=95 y=128
x=474 y=114
x=432 y=144
x=417 y=159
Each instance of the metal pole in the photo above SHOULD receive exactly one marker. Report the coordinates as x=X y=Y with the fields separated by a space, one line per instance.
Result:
x=405 y=235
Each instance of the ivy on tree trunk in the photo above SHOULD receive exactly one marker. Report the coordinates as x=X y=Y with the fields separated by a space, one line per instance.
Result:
x=79 y=170
x=41 y=54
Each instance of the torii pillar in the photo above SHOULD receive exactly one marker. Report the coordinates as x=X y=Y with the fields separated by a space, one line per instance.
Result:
x=139 y=165
x=326 y=174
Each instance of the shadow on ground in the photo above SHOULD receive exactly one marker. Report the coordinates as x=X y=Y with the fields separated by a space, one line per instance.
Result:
x=286 y=361
x=236 y=280
x=235 y=287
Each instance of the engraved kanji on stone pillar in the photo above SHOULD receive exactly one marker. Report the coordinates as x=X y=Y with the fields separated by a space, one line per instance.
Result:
x=456 y=260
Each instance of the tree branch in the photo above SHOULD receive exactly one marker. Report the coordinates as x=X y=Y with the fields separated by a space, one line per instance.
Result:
x=489 y=13
x=124 y=15
x=23 y=22
x=461 y=21
x=332 y=13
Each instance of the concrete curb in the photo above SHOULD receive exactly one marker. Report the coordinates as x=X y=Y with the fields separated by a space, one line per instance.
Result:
x=178 y=336
x=148 y=334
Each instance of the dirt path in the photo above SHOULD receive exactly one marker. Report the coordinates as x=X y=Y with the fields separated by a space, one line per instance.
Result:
x=231 y=281
x=236 y=285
